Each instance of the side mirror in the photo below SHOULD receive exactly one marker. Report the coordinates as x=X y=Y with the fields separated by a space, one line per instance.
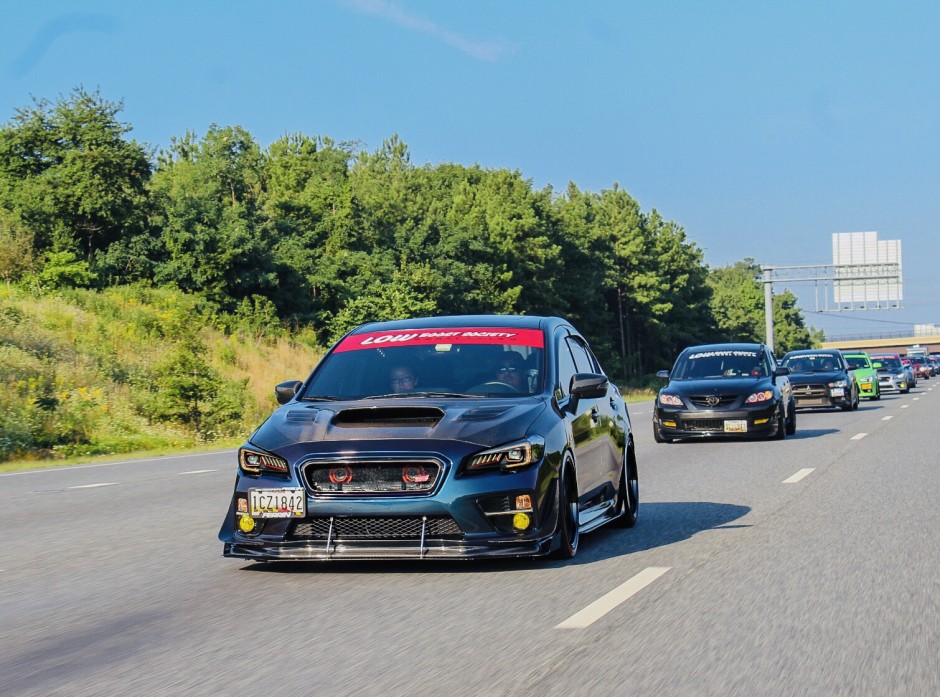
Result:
x=781 y=370
x=285 y=391
x=664 y=374
x=876 y=365
x=589 y=385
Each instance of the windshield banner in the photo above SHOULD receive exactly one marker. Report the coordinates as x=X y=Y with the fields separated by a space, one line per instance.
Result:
x=501 y=336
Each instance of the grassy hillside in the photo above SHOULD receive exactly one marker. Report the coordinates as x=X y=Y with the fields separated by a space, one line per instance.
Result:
x=134 y=368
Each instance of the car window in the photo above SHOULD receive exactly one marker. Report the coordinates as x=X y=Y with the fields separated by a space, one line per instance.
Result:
x=486 y=361
x=566 y=366
x=582 y=359
x=696 y=364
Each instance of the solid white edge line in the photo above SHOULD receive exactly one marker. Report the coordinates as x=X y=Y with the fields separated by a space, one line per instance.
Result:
x=858 y=436
x=799 y=475
x=600 y=607
x=198 y=471
x=92 y=486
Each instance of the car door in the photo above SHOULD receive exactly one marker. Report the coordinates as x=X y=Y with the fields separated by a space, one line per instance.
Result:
x=590 y=423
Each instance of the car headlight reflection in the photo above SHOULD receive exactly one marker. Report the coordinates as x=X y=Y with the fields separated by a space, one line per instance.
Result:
x=513 y=456
x=762 y=396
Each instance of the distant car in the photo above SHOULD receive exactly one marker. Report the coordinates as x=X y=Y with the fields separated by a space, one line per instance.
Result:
x=911 y=368
x=893 y=375
x=447 y=437
x=865 y=374
x=719 y=390
x=922 y=366
x=821 y=378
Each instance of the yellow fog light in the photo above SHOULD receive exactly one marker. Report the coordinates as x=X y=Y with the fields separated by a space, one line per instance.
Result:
x=246 y=523
x=520 y=521
x=758 y=422
x=670 y=424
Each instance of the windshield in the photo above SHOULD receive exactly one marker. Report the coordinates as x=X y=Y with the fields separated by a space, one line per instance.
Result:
x=890 y=363
x=812 y=363
x=461 y=362
x=696 y=365
x=856 y=362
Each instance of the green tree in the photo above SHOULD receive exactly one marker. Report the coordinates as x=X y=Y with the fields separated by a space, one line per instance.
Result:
x=71 y=178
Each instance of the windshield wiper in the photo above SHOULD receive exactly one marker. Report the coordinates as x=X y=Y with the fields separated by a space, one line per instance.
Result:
x=322 y=398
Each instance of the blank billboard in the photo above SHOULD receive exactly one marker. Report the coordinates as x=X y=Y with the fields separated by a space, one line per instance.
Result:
x=873 y=265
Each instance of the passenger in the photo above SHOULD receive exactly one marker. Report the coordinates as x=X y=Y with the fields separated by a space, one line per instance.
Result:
x=403 y=379
x=510 y=369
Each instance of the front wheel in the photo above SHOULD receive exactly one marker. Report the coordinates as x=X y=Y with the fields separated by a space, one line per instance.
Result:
x=628 y=494
x=791 y=422
x=568 y=531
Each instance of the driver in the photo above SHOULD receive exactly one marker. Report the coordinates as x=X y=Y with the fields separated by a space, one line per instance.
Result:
x=510 y=369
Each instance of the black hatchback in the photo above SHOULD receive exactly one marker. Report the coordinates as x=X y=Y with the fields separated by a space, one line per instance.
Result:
x=724 y=390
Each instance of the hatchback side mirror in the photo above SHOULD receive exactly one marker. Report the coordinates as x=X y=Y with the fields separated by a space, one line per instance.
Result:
x=664 y=374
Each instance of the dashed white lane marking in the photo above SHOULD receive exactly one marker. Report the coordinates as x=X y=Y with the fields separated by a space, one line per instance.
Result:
x=93 y=486
x=858 y=436
x=916 y=398
x=887 y=418
x=198 y=471
x=799 y=475
x=603 y=605
x=905 y=406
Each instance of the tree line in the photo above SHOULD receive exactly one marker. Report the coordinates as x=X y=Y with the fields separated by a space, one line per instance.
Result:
x=310 y=232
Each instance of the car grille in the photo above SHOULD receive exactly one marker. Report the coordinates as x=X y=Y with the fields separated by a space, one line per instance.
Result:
x=704 y=424
x=713 y=401
x=398 y=528
x=356 y=477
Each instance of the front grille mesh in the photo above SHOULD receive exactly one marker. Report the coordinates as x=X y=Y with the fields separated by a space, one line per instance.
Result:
x=375 y=528
x=704 y=425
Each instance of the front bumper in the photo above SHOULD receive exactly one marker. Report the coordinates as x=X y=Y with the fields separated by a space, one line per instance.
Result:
x=868 y=389
x=467 y=518
x=889 y=383
x=817 y=395
x=714 y=423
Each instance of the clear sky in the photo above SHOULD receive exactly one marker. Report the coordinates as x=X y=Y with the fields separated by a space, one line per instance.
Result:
x=760 y=127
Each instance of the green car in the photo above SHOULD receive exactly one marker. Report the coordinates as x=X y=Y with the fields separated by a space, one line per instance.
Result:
x=865 y=374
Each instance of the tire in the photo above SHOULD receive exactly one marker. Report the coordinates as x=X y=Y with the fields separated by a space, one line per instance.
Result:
x=781 y=431
x=628 y=494
x=857 y=401
x=791 y=422
x=567 y=532
x=658 y=435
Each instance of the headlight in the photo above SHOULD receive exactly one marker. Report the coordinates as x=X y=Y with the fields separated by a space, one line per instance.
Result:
x=513 y=456
x=670 y=400
x=762 y=396
x=255 y=461
x=838 y=383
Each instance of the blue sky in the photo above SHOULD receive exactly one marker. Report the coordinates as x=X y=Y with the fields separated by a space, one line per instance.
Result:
x=760 y=127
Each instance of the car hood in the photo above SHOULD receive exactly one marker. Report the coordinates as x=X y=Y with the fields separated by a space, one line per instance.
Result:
x=718 y=386
x=827 y=376
x=338 y=426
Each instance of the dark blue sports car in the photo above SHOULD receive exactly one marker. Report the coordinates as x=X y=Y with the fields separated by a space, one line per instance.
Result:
x=448 y=437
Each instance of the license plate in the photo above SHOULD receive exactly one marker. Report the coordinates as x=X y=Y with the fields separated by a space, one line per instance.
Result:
x=736 y=426
x=837 y=392
x=277 y=503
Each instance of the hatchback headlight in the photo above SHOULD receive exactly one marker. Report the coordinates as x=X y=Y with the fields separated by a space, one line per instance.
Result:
x=255 y=462
x=762 y=396
x=670 y=400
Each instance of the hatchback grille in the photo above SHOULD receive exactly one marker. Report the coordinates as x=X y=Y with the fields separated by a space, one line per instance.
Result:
x=713 y=401
x=704 y=424
x=401 y=528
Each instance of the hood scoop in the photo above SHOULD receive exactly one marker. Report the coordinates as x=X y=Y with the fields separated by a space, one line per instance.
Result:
x=421 y=417
x=484 y=413
x=302 y=415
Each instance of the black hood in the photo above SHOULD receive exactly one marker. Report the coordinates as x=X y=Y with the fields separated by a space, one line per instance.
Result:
x=817 y=377
x=718 y=386
x=336 y=426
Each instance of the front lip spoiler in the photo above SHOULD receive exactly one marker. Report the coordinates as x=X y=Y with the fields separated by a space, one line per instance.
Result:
x=262 y=550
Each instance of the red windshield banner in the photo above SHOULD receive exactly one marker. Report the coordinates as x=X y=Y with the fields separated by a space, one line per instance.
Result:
x=532 y=338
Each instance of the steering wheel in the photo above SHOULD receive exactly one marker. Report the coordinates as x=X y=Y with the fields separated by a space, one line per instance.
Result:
x=487 y=387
